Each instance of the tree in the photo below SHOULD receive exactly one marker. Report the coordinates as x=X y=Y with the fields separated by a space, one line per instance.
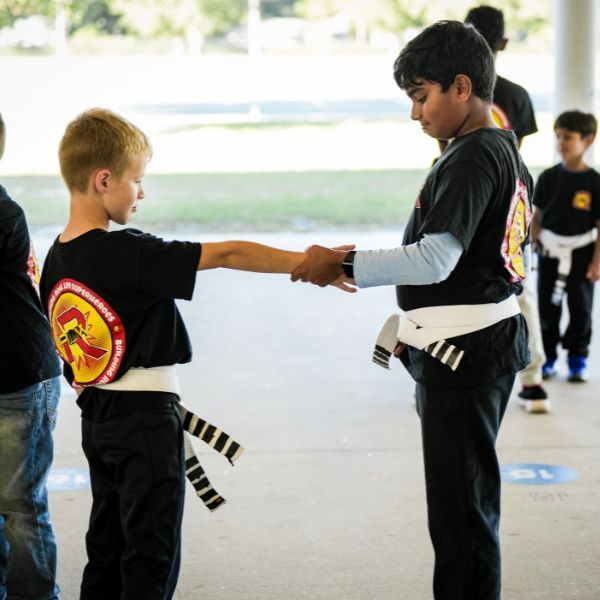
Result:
x=218 y=16
x=11 y=10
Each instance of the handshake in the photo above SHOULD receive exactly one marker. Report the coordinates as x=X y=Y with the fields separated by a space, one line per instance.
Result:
x=323 y=267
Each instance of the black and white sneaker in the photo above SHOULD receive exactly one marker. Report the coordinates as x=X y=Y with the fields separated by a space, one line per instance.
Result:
x=534 y=399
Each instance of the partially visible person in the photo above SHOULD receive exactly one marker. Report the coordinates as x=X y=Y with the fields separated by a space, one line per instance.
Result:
x=29 y=394
x=565 y=225
x=512 y=109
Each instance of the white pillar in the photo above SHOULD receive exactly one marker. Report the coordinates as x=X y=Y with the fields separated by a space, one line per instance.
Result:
x=254 y=42
x=575 y=23
x=60 y=28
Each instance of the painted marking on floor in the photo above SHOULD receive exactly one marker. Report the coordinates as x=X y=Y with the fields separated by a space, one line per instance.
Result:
x=537 y=474
x=60 y=480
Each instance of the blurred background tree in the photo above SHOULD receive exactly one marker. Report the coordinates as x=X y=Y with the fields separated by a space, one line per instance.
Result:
x=11 y=10
x=215 y=17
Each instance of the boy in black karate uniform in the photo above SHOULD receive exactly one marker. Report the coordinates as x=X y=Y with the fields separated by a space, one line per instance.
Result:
x=567 y=203
x=110 y=300
x=465 y=248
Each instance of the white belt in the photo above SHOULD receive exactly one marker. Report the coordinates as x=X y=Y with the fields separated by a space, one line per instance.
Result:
x=561 y=247
x=428 y=329
x=164 y=379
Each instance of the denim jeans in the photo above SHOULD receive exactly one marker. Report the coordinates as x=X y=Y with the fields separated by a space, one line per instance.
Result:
x=27 y=543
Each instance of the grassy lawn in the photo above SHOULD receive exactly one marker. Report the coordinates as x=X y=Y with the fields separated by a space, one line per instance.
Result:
x=246 y=201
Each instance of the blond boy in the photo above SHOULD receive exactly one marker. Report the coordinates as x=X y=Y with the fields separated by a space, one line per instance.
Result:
x=110 y=299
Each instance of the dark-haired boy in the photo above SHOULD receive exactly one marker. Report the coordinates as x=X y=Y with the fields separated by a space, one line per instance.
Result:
x=461 y=263
x=566 y=221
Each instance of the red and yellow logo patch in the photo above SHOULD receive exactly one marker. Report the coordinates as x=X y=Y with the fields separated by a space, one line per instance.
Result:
x=517 y=228
x=582 y=200
x=500 y=117
x=87 y=333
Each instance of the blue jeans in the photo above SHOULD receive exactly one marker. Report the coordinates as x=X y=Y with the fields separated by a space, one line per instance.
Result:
x=27 y=543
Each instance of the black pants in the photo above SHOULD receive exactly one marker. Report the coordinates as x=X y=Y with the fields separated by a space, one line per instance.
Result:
x=137 y=475
x=462 y=477
x=580 y=298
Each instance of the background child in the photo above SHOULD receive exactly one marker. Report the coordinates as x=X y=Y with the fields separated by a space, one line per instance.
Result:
x=29 y=393
x=512 y=109
x=456 y=251
x=110 y=300
x=566 y=219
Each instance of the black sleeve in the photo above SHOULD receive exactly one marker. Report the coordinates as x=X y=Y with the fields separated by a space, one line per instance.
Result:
x=167 y=269
x=525 y=122
x=459 y=202
x=539 y=192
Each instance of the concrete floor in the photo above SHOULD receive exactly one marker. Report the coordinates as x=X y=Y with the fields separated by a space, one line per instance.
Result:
x=328 y=500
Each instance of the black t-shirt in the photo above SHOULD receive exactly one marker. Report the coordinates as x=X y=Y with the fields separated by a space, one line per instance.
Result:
x=479 y=191
x=512 y=108
x=27 y=354
x=110 y=300
x=569 y=200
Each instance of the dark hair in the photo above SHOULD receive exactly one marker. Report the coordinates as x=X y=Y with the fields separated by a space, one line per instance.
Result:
x=575 y=120
x=441 y=52
x=489 y=21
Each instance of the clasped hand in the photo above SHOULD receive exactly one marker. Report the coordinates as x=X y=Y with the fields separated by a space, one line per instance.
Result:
x=323 y=267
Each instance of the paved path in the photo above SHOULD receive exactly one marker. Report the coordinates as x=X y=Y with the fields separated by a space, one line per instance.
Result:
x=327 y=503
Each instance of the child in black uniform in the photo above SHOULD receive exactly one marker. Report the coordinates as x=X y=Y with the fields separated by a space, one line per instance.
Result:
x=565 y=222
x=110 y=300
x=463 y=254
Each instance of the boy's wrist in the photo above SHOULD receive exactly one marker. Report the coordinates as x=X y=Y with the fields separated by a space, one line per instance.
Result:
x=348 y=264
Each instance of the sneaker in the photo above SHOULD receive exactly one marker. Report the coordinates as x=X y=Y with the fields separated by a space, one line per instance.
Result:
x=534 y=399
x=577 y=369
x=548 y=369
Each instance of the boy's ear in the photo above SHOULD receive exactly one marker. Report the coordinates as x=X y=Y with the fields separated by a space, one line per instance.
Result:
x=100 y=180
x=588 y=139
x=463 y=86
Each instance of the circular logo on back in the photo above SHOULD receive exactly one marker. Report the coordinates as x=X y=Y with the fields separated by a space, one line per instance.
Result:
x=87 y=333
x=500 y=117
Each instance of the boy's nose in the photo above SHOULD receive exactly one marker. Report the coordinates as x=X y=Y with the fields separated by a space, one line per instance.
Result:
x=415 y=113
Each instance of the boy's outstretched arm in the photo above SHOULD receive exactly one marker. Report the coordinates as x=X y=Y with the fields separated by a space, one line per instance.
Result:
x=250 y=256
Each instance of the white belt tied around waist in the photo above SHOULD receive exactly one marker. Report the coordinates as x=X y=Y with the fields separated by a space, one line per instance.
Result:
x=428 y=329
x=561 y=247
x=164 y=379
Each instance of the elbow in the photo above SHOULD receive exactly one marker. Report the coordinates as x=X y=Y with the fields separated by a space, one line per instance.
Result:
x=442 y=274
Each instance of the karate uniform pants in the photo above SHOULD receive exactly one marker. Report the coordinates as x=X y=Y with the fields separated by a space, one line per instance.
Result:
x=462 y=476
x=137 y=474
x=579 y=297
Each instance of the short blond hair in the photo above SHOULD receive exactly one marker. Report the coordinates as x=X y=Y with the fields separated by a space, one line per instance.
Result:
x=99 y=139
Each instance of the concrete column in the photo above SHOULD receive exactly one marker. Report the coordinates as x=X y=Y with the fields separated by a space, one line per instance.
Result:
x=575 y=23
x=254 y=41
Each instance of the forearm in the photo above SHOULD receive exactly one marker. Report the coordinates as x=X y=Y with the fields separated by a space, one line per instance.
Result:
x=248 y=256
x=596 y=257
x=430 y=260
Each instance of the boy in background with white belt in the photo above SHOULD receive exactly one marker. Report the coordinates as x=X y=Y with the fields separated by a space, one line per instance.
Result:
x=565 y=223
x=465 y=246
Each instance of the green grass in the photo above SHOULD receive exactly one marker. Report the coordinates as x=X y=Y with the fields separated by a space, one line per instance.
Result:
x=242 y=201
x=246 y=201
